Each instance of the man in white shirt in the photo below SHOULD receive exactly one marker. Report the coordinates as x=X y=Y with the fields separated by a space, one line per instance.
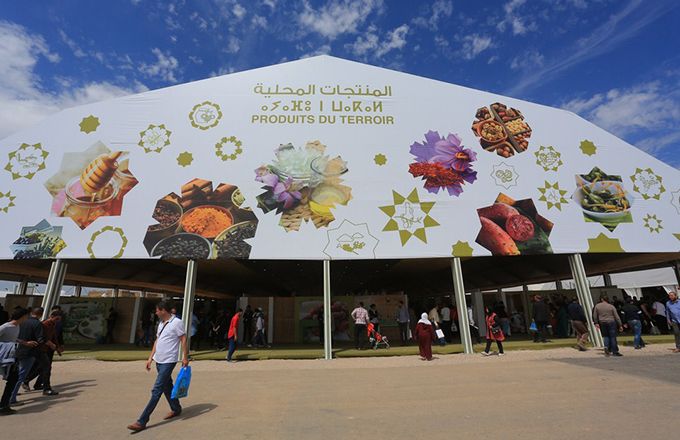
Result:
x=360 y=317
x=659 y=316
x=170 y=335
x=445 y=315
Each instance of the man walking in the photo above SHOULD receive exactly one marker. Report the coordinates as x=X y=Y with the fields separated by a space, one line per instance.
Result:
x=247 y=326
x=541 y=318
x=164 y=352
x=673 y=317
x=607 y=319
x=632 y=316
x=9 y=333
x=30 y=331
x=42 y=367
x=403 y=320
x=360 y=317
x=445 y=314
x=578 y=323
x=232 y=336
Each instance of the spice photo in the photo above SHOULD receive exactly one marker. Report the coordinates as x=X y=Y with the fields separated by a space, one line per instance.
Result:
x=303 y=184
x=443 y=163
x=203 y=223
x=91 y=184
x=603 y=198
x=40 y=241
x=511 y=227
x=501 y=129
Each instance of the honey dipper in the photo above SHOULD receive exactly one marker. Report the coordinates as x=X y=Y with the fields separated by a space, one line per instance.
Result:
x=99 y=172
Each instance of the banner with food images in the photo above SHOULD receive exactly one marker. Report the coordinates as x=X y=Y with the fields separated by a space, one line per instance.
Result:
x=324 y=158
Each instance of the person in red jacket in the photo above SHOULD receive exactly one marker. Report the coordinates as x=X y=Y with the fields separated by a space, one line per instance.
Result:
x=232 y=336
x=425 y=335
x=493 y=332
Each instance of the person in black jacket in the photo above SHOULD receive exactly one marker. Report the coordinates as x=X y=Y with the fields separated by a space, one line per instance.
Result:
x=29 y=331
x=578 y=323
x=541 y=317
x=632 y=316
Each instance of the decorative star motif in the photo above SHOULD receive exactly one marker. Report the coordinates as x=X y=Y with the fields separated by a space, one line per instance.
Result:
x=205 y=115
x=675 y=200
x=350 y=240
x=110 y=230
x=154 y=138
x=602 y=243
x=185 y=159
x=552 y=195
x=647 y=184
x=652 y=223
x=504 y=175
x=461 y=249
x=89 y=124
x=26 y=161
x=380 y=159
x=224 y=142
x=6 y=201
x=588 y=148
x=409 y=216
x=548 y=158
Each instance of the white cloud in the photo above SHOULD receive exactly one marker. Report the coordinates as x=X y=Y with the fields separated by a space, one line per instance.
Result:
x=529 y=60
x=337 y=17
x=369 y=44
x=475 y=44
x=23 y=100
x=233 y=44
x=238 y=11
x=514 y=20
x=77 y=51
x=646 y=106
x=618 y=28
x=322 y=50
x=164 y=68
x=270 y=3
x=439 y=10
x=259 y=21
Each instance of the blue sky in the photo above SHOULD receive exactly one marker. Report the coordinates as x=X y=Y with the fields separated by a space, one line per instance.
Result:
x=614 y=62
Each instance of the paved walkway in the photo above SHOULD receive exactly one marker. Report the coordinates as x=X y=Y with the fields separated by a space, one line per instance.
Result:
x=555 y=394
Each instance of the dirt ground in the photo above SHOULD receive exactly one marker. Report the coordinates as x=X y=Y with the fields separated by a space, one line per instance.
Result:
x=550 y=394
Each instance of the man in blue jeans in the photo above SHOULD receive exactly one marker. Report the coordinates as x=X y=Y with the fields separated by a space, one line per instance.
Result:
x=632 y=315
x=607 y=319
x=30 y=331
x=165 y=350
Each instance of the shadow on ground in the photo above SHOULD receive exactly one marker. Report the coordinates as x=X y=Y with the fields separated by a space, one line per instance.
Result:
x=655 y=367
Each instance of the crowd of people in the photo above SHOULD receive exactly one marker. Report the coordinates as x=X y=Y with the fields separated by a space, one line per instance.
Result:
x=27 y=347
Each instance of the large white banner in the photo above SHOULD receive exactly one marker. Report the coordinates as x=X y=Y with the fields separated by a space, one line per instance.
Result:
x=327 y=159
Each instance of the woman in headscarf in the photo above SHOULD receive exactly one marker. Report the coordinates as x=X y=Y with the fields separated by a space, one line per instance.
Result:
x=425 y=335
x=494 y=332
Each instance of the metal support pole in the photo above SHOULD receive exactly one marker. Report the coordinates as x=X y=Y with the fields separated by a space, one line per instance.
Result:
x=580 y=276
x=327 y=315
x=55 y=280
x=676 y=269
x=23 y=286
x=525 y=306
x=79 y=291
x=461 y=305
x=607 y=280
x=189 y=296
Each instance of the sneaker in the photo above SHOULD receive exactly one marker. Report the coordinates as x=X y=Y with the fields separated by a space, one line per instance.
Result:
x=501 y=354
x=606 y=351
x=486 y=353
x=136 y=427
x=50 y=393
x=638 y=348
x=617 y=354
x=16 y=403
x=25 y=387
x=6 y=410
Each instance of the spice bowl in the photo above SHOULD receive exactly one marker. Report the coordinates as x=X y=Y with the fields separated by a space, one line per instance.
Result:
x=168 y=214
x=491 y=131
x=229 y=243
x=217 y=218
x=183 y=245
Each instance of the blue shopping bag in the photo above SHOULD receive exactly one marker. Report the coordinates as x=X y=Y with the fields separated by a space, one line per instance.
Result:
x=181 y=388
x=533 y=327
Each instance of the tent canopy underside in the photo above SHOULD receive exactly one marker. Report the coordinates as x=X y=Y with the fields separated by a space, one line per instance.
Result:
x=230 y=278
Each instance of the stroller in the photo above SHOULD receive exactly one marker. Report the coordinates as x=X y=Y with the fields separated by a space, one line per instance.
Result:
x=375 y=338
